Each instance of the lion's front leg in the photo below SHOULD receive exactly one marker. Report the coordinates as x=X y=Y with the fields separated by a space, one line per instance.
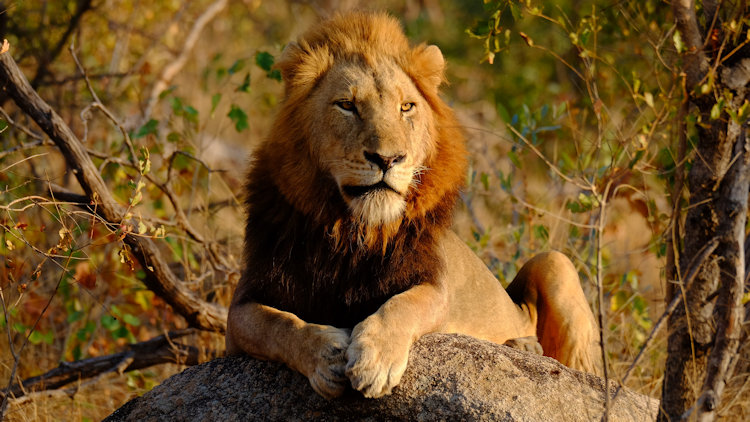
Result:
x=379 y=349
x=316 y=351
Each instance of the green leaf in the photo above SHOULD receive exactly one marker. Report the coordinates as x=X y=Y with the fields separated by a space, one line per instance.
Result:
x=137 y=197
x=77 y=353
x=481 y=29
x=679 y=45
x=150 y=128
x=485 y=178
x=75 y=316
x=245 y=87
x=110 y=323
x=84 y=332
x=120 y=332
x=236 y=66
x=214 y=102
x=274 y=74
x=583 y=204
x=586 y=200
x=167 y=91
x=715 y=111
x=264 y=60
x=514 y=158
x=638 y=156
x=173 y=137
x=191 y=112
x=131 y=320
x=515 y=10
x=144 y=163
x=743 y=112
x=541 y=232
x=37 y=337
x=239 y=118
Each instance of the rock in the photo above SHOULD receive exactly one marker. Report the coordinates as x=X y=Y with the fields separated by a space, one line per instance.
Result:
x=450 y=377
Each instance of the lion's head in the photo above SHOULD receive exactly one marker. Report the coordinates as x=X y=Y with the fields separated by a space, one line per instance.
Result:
x=362 y=125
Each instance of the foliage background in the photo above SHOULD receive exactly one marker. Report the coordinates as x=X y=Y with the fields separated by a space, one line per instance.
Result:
x=571 y=130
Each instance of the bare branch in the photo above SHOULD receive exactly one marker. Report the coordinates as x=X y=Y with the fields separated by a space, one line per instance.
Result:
x=601 y=315
x=23 y=129
x=159 y=277
x=43 y=69
x=175 y=66
x=98 y=104
x=158 y=350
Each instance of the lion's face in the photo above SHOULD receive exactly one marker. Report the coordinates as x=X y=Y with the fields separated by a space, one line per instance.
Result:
x=374 y=136
x=362 y=123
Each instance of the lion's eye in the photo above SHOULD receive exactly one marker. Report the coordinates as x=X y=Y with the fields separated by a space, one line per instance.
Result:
x=406 y=107
x=346 y=105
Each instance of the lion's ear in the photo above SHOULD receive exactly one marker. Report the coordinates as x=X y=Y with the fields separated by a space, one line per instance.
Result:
x=428 y=64
x=289 y=61
x=302 y=65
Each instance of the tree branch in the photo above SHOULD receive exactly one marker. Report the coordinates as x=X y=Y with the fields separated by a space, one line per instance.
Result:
x=696 y=62
x=169 y=71
x=159 y=277
x=158 y=350
x=43 y=68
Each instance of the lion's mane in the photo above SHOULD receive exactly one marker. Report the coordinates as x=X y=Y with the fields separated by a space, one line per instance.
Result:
x=304 y=253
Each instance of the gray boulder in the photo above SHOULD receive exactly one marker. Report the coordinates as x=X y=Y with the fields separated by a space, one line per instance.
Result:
x=449 y=378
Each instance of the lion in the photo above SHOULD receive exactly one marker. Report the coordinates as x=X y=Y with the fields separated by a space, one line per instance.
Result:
x=349 y=254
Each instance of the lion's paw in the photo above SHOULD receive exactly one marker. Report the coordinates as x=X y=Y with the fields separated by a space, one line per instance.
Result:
x=328 y=373
x=528 y=344
x=376 y=359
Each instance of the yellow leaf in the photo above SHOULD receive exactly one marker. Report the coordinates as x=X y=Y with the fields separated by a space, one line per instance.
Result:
x=649 y=99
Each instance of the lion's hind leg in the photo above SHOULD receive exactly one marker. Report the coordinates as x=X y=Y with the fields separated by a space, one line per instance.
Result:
x=549 y=290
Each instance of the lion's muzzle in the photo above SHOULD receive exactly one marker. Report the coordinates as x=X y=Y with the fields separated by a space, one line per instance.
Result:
x=358 y=191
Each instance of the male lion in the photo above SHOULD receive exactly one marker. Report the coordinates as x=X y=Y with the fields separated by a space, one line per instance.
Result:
x=349 y=256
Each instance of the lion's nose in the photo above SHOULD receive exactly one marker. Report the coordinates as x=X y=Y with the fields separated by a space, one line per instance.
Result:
x=382 y=161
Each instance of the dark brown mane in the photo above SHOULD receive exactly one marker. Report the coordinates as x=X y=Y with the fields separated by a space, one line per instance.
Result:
x=304 y=253
x=294 y=264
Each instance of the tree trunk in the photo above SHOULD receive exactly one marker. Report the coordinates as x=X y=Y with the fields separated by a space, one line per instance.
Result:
x=704 y=331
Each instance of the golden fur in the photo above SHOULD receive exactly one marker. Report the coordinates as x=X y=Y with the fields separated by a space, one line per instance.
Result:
x=348 y=251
